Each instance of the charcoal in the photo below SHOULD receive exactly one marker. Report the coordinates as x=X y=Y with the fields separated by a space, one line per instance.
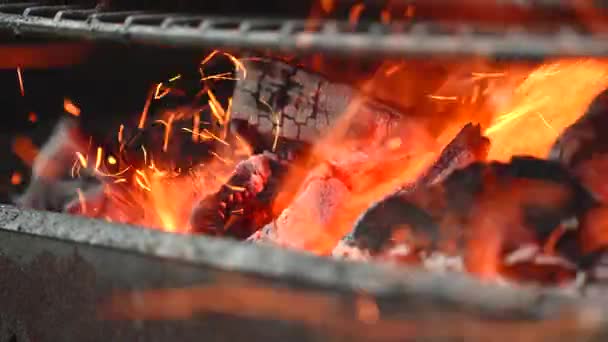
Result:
x=385 y=220
x=585 y=137
x=526 y=200
x=305 y=223
x=467 y=147
x=242 y=205
x=378 y=225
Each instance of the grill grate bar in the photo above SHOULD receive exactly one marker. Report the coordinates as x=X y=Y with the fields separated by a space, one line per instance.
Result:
x=371 y=39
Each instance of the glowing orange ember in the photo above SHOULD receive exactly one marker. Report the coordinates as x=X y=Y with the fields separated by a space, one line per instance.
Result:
x=16 y=178
x=70 y=107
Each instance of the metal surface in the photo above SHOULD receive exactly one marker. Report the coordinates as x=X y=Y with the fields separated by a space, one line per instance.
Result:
x=374 y=39
x=61 y=273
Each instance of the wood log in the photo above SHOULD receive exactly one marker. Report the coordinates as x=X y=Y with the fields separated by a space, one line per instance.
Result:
x=284 y=100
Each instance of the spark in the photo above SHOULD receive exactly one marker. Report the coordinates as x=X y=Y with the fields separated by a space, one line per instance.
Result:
x=509 y=117
x=98 y=158
x=20 y=79
x=355 y=13
x=244 y=146
x=70 y=107
x=143 y=149
x=443 y=98
x=82 y=159
x=235 y=187
x=111 y=160
x=196 y=121
x=277 y=125
x=142 y=180
x=223 y=160
x=209 y=57
x=16 y=178
x=168 y=125
x=480 y=75
x=237 y=64
x=175 y=78
x=32 y=117
x=113 y=175
x=81 y=201
x=207 y=135
x=393 y=69
x=238 y=211
x=228 y=115
x=144 y=112
x=216 y=108
x=75 y=168
x=158 y=94
x=120 y=180
x=222 y=76
x=121 y=130
x=544 y=120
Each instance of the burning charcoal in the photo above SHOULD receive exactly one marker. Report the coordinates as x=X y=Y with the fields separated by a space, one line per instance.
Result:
x=528 y=202
x=585 y=137
x=242 y=205
x=467 y=147
x=395 y=221
x=397 y=215
x=304 y=223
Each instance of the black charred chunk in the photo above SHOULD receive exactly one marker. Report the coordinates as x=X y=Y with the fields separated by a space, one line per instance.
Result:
x=394 y=216
x=244 y=204
x=585 y=137
x=467 y=147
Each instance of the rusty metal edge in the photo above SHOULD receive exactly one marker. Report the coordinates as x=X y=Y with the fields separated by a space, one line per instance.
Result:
x=276 y=263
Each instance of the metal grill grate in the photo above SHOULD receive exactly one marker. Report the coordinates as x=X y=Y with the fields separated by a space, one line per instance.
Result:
x=375 y=39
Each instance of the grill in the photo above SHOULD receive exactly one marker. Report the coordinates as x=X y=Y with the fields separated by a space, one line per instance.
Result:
x=302 y=36
x=68 y=278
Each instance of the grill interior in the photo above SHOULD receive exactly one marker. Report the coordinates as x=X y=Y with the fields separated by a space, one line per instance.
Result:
x=91 y=263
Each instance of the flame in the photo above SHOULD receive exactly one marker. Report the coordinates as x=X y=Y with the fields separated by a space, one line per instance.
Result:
x=549 y=99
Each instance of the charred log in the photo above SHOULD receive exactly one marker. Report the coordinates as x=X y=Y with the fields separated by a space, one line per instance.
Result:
x=287 y=102
x=399 y=215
